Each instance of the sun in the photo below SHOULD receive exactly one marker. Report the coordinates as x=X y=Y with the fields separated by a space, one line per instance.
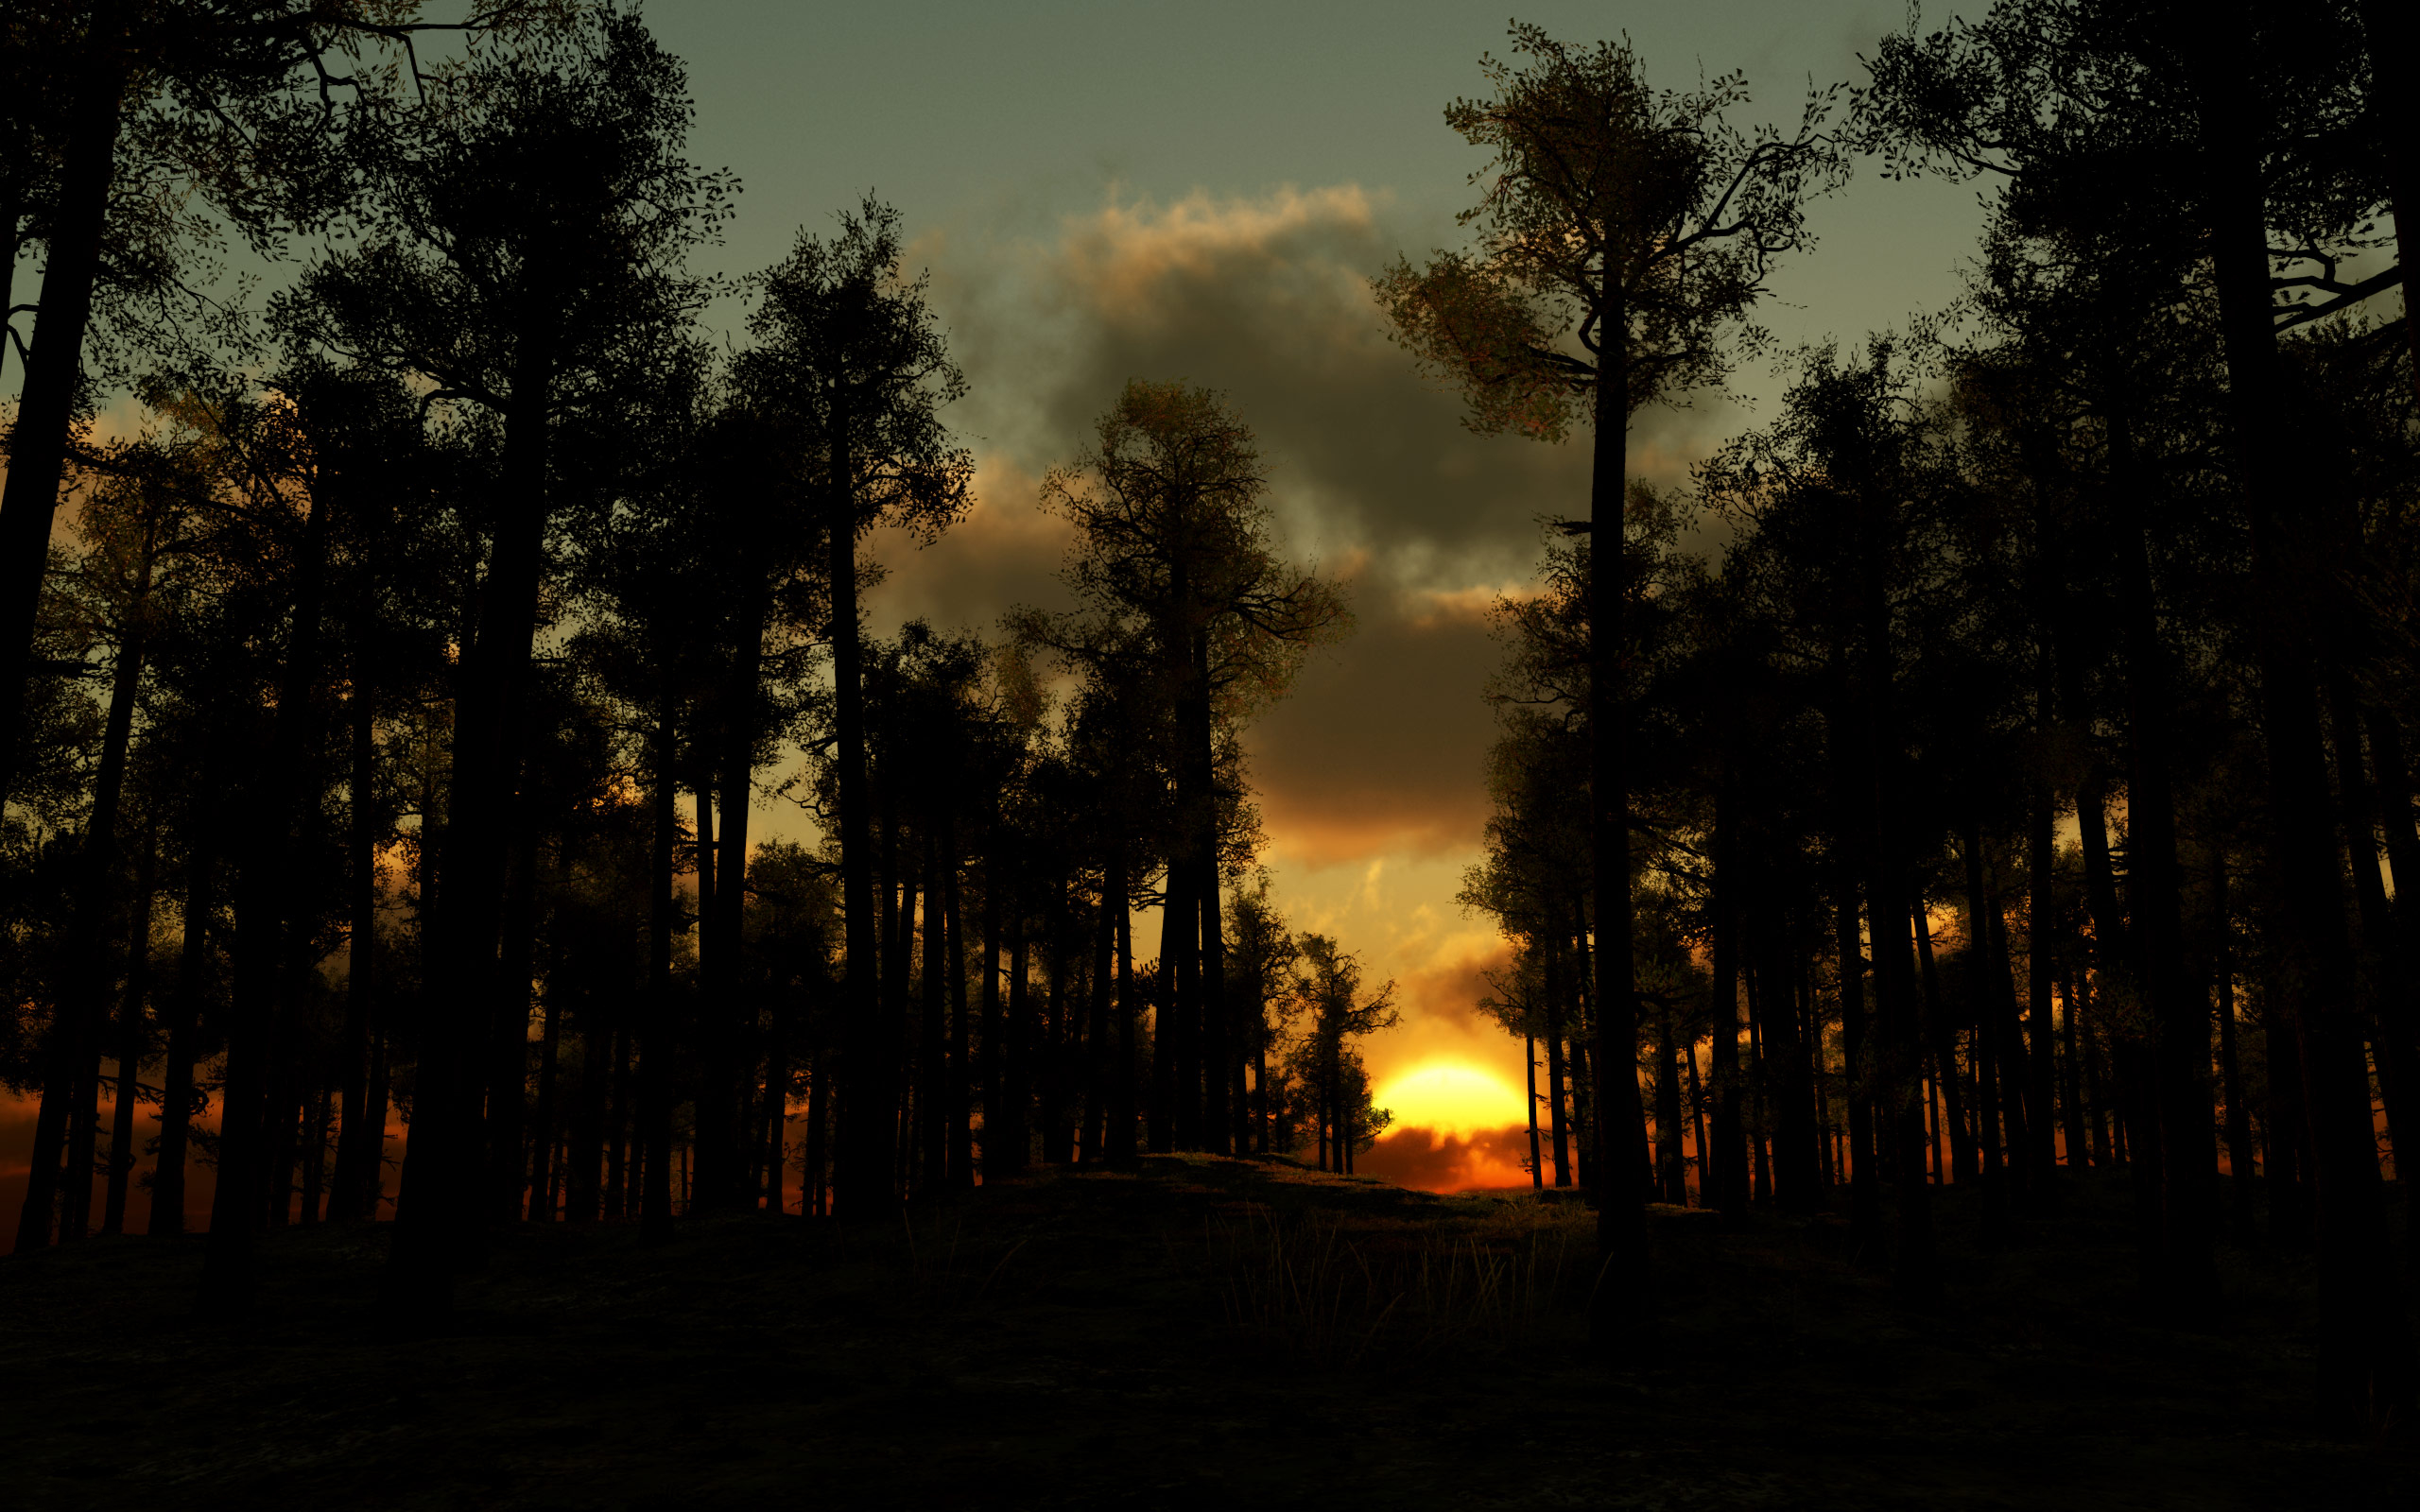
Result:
x=1451 y=1097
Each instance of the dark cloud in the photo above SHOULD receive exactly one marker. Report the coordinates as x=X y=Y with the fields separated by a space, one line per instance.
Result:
x=1427 y=1161
x=1268 y=300
x=1382 y=743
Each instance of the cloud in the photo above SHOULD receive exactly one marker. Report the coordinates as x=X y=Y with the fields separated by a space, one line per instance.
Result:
x=1006 y=552
x=1429 y=1161
x=1383 y=744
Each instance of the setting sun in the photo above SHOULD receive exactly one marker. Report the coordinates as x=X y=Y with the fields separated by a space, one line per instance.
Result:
x=1451 y=1097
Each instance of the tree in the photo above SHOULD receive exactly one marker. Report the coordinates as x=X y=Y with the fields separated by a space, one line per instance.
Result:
x=1639 y=225
x=849 y=354
x=1173 y=562
x=524 y=254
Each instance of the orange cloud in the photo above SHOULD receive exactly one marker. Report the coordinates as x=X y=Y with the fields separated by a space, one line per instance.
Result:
x=1427 y=1161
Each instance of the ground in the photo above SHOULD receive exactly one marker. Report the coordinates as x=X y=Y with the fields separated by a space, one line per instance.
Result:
x=1206 y=1334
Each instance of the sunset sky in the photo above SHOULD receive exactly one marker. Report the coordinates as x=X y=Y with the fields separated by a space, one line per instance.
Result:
x=1111 y=191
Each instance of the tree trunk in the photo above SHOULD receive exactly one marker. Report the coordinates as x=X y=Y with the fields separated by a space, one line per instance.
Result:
x=70 y=1109
x=2363 y=1341
x=1177 y=917
x=1991 y=1084
x=545 y=1169
x=1017 y=1080
x=1530 y=1059
x=176 y=1075
x=1963 y=1163
x=359 y=1147
x=1621 y=1221
x=1556 y=1074
x=861 y=1174
x=961 y=1064
x=1122 y=1113
x=584 y=1150
x=46 y=398
x=932 y=1071
x=1097 y=1048
x=438 y=1216
x=134 y=1034
x=2179 y=1012
x=1858 y=1079
x=1797 y=1180
x=508 y=1081
x=2391 y=43
x=651 y=1136
x=1723 y=1177
x=995 y=1032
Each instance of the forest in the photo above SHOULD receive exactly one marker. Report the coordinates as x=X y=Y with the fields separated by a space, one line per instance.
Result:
x=1947 y=869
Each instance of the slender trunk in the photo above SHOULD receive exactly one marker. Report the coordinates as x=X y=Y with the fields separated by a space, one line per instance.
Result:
x=861 y=1175
x=814 y=1197
x=545 y=1170
x=1050 y=1062
x=1097 y=1045
x=1556 y=1031
x=359 y=1146
x=2382 y=958
x=176 y=1075
x=1177 y=917
x=2239 y=1116
x=439 y=1217
x=932 y=1071
x=621 y=1120
x=1697 y=1117
x=724 y=1096
x=264 y=884
x=651 y=1135
x=895 y=882
x=962 y=1065
x=2179 y=1012
x=1963 y=1163
x=2072 y=1085
x=70 y=1106
x=1991 y=1083
x=1530 y=1059
x=996 y=1158
x=2391 y=45
x=1797 y=1184
x=46 y=399
x=1216 y=1039
x=508 y=1081
x=134 y=1034
x=1723 y=1179
x=1858 y=1072
x=2041 y=974
x=1122 y=1113
x=1621 y=1227
x=1017 y=1089
x=1672 y=1174
x=2362 y=1340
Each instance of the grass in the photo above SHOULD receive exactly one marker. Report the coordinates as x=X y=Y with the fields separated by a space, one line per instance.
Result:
x=1201 y=1333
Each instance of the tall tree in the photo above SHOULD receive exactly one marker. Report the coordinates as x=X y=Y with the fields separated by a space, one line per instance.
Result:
x=1624 y=232
x=849 y=349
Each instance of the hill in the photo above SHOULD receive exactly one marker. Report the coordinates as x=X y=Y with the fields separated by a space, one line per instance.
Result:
x=1203 y=1333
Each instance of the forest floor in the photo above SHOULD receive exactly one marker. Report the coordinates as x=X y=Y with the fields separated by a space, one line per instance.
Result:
x=1206 y=1334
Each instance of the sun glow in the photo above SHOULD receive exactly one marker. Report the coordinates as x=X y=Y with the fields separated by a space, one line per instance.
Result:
x=1451 y=1097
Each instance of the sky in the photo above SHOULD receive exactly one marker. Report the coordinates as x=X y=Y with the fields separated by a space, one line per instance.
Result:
x=1103 y=191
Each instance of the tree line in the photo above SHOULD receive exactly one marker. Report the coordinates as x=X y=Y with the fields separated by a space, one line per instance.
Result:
x=2006 y=747
x=392 y=717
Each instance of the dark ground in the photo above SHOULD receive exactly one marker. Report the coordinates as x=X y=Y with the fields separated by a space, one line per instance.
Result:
x=1211 y=1333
